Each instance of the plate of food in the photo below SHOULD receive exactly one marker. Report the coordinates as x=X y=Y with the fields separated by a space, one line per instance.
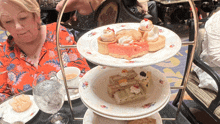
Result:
x=91 y=118
x=19 y=108
x=129 y=118
x=124 y=92
x=129 y=44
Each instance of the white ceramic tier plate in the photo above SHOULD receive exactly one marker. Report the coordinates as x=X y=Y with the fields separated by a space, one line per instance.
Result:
x=92 y=118
x=88 y=47
x=74 y=94
x=11 y=116
x=93 y=91
x=129 y=118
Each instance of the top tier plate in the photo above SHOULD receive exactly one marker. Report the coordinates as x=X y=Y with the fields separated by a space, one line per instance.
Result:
x=88 y=47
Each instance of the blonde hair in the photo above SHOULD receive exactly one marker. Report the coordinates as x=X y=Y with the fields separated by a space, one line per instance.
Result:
x=28 y=5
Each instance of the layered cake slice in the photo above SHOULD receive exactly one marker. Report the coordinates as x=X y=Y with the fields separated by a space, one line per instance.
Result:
x=128 y=86
x=129 y=94
x=121 y=81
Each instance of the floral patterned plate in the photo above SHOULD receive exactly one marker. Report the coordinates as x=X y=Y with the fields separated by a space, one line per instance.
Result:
x=92 y=118
x=88 y=47
x=129 y=118
x=10 y=116
x=93 y=91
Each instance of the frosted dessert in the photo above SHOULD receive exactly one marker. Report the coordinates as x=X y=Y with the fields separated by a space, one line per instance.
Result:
x=128 y=45
x=131 y=43
x=107 y=37
x=145 y=26
x=151 y=35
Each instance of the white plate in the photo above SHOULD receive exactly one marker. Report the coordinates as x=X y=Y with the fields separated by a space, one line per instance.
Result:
x=92 y=118
x=11 y=116
x=129 y=118
x=93 y=91
x=74 y=94
x=88 y=47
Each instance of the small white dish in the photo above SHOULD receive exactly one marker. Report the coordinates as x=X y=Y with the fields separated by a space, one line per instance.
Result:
x=92 y=118
x=88 y=47
x=11 y=116
x=93 y=91
x=74 y=94
x=73 y=79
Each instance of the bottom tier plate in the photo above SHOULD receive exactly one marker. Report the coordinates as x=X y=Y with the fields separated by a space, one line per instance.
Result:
x=91 y=118
x=93 y=91
x=128 y=118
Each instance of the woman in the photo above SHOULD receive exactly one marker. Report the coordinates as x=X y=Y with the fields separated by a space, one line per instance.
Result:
x=31 y=50
x=84 y=7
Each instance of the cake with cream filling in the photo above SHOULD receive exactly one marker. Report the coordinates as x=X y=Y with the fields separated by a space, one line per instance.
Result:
x=131 y=43
x=128 y=45
x=107 y=37
x=151 y=35
x=145 y=26
x=128 y=86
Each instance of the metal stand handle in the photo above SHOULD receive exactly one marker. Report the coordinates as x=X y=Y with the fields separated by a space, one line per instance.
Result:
x=59 y=54
x=195 y=16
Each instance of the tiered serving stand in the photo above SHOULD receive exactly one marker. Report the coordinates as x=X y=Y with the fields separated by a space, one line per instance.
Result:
x=93 y=85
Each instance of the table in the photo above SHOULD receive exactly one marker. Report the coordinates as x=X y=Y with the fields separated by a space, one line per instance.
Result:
x=173 y=1
x=79 y=110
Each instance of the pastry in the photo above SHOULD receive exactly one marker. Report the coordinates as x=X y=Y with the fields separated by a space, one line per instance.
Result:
x=107 y=37
x=136 y=35
x=155 y=41
x=21 y=103
x=143 y=121
x=151 y=35
x=145 y=26
x=129 y=45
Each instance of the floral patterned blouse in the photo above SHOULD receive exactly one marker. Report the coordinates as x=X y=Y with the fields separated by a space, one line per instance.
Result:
x=17 y=72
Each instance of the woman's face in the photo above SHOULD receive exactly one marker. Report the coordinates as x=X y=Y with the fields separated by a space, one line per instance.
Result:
x=22 y=25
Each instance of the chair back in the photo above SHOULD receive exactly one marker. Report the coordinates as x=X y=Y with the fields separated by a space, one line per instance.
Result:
x=107 y=12
x=201 y=33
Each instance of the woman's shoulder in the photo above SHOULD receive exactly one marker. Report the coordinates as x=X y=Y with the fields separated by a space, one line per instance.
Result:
x=53 y=26
x=64 y=34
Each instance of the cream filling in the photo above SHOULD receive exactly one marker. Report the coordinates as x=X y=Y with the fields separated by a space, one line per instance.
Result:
x=146 y=25
x=135 y=90
x=125 y=40
x=153 y=34
x=107 y=35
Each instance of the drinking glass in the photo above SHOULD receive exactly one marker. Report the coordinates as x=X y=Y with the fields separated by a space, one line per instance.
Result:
x=49 y=97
